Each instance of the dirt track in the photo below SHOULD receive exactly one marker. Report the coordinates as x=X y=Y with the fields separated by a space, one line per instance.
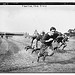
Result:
x=18 y=60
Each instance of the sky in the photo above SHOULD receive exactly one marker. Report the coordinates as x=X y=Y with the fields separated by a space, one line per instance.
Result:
x=27 y=19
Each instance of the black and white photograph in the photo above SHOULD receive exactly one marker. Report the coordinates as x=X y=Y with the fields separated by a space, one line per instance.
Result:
x=37 y=37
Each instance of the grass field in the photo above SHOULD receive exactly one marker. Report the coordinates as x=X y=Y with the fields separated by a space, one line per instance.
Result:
x=14 y=58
